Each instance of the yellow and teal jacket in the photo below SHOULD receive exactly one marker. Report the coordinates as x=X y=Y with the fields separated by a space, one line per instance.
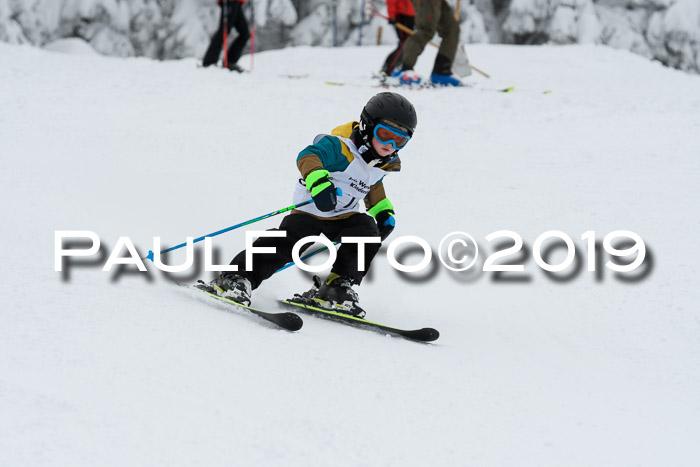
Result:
x=358 y=180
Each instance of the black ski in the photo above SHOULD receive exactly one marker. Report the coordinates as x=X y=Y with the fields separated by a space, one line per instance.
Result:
x=422 y=335
x=289 y=321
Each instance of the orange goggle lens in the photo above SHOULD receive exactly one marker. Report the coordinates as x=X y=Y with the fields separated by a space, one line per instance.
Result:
x=386 y=134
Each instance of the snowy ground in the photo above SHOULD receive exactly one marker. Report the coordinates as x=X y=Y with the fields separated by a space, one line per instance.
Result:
x=105 y=369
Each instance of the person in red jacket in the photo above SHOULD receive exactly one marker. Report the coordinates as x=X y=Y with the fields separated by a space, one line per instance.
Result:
x=401 y=12
x=234 y=18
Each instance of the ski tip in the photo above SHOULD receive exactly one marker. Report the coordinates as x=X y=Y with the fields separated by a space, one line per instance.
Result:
x=424 y=335
x=291 y=321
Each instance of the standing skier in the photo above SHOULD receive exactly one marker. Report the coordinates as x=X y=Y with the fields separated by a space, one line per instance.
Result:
x=231 y=16
x=432 y=16
x=400 y=12
x=355 y=158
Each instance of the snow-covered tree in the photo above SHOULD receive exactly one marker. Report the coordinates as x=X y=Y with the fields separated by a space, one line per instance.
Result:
x=665 y=30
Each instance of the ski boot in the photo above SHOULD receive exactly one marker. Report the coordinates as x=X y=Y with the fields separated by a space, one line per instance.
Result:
x=235 y=67
x=333 y=294
x=409 y=78
x=445 y=80
x=235 y=288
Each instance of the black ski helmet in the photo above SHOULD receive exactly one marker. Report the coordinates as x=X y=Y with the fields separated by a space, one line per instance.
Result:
x=388 y=106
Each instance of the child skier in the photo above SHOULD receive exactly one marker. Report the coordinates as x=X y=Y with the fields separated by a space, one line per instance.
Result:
x=355 y=158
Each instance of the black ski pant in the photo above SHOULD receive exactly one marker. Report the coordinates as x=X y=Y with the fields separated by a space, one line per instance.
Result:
x=300 y=225
x=394 y=59
x=236 y=19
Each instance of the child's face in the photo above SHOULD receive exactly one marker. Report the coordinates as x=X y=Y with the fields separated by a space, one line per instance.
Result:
x=382 y=149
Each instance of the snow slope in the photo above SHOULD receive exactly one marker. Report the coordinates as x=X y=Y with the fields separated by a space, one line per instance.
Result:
x=126 y=369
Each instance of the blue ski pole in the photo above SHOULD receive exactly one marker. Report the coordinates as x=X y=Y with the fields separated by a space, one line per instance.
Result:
x=228 y=229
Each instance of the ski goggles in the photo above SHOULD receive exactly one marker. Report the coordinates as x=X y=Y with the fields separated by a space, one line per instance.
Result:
x=386 y=134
